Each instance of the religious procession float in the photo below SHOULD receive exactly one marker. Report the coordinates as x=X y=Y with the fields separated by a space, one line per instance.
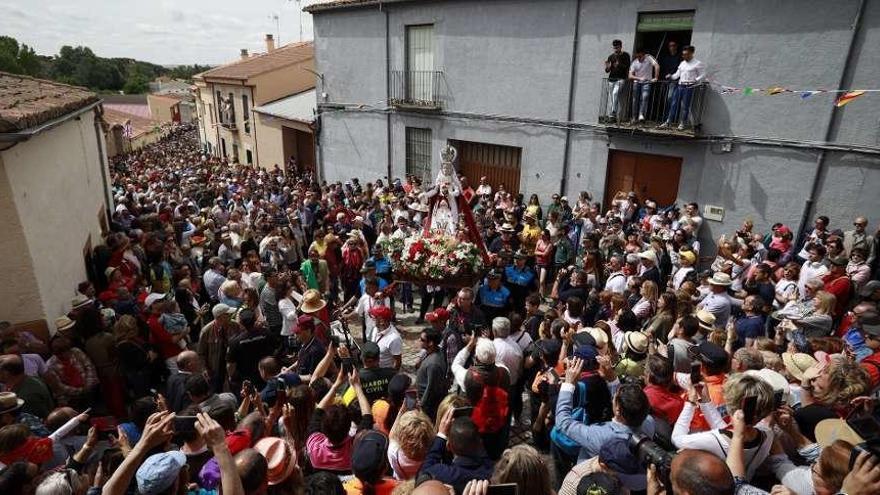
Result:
x=449 y=251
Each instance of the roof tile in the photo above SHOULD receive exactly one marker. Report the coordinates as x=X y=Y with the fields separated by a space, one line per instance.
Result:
x=27 y=102
x=283 y=56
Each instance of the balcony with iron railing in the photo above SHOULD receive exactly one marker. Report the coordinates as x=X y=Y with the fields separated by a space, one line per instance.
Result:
x=661 y=107
x=416 y=89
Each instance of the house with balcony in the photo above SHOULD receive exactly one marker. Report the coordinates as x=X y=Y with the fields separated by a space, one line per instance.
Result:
x=226 y=97
x=520 y=88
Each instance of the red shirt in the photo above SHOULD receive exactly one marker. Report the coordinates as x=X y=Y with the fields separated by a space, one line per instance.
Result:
x=845 y=324
x=665 y=404
x=839 y=286
x=161 y=338
x=871 y=364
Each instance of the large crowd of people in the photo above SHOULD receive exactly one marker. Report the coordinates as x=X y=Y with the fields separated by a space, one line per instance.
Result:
x=211 y=351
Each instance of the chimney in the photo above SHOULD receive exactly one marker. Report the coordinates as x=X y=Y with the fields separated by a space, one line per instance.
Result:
x=270 y=43
x=244 y=54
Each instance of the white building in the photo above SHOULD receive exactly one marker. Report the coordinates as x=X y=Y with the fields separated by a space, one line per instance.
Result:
x=54 y=195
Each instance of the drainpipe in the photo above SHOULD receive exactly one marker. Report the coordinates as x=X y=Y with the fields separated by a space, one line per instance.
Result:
x=252 y=117
x=387 y=85
x=575 y=44
x=833 y=121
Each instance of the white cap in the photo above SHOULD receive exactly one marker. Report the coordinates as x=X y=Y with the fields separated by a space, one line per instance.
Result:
x=152 y=298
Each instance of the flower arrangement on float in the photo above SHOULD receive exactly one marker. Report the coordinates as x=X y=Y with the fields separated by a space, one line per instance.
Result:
x=435 y=258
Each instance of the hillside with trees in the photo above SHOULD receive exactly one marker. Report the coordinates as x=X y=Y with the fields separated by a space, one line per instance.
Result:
x=80 y=66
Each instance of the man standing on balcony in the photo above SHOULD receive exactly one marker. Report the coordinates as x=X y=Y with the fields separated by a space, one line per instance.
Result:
x=669 y=60
x=643 y=73
x=617 y=68
x=690 y=73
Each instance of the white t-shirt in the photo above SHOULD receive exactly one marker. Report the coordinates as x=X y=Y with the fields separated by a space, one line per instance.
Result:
x=390 y=345
x=287 y=308
x=508 y=353
x=616 y=282
x=643 y=70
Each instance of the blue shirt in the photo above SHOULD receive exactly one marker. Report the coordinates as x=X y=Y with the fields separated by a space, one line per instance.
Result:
x=749 y=327
x=592 y=437
x=494 y=298
x=516 y=276
x=382 y=284
x=383 y=265
x=854 y=338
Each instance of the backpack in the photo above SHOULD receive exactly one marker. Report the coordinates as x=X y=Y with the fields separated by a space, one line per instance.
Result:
x=490 y=411
x=579 y=414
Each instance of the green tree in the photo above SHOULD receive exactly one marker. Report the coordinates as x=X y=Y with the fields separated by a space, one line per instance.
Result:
x=136 y=83
x=18 y=59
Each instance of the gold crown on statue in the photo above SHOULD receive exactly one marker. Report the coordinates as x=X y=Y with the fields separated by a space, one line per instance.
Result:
x=448 y=153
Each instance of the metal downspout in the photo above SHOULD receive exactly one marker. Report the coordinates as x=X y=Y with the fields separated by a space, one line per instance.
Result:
x=832 y=123
x=571 y=85
x=387 y=86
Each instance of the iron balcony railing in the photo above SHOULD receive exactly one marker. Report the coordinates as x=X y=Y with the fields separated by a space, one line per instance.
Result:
x=661 y=106
x=416 y=88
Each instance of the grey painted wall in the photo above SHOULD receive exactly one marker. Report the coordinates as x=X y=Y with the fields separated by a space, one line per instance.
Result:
x=513 y=57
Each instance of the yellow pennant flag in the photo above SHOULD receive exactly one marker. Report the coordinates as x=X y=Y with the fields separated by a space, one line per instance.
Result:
x=848 y=97
x=775 y=91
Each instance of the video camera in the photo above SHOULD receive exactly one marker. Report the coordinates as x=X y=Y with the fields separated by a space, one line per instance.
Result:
x=648 y=452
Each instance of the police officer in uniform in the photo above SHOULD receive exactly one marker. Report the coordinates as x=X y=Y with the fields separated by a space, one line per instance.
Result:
x=493 y=297
x=519 y=279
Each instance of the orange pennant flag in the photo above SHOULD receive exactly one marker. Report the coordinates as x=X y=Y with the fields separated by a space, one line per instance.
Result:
x=848 y=97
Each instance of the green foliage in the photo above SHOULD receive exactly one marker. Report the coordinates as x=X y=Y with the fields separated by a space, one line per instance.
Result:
x=18 y=59
x=80 y=66
x=186 y=72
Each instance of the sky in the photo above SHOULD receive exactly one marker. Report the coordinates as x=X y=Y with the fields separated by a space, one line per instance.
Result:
x=164 y=32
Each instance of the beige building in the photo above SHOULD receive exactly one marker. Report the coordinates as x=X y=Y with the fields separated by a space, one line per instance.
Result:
x=226 y=97
x=287 y=129
x=164 y=108
x=54 y=195
x=140 y=131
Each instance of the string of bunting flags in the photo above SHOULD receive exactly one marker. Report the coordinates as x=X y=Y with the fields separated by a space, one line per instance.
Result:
x=844 y=96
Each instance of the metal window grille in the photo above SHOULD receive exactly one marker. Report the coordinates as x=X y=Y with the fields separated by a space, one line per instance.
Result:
x=418 y=152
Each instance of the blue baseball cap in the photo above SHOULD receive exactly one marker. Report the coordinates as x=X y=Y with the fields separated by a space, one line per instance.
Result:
x=159 y=471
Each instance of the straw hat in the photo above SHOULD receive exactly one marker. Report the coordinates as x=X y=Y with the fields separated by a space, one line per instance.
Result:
x=79 y=301
x=281 y=459
x=829 y=430
x=63 y=323
x=636 y=342
x=720 y=278
x=506 y=227
x=797 y=363
x=649 y=255
x=9 y=402
x=312 y=302
x=418 y=207
x=599 y=336
x=706 y=319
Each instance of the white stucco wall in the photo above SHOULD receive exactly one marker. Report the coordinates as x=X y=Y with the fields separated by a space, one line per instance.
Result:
x=58 y=191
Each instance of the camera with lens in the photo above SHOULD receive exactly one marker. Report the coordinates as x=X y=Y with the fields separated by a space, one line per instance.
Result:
x=648 y=452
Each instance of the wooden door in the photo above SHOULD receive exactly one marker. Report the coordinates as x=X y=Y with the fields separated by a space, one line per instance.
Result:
x=499 y=164
x=305 y=150
x=649 y=176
